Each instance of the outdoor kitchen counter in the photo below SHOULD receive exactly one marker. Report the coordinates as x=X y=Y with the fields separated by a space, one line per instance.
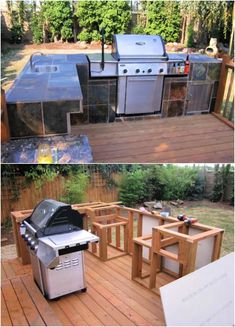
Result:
x=194 y=58
x=62 y=84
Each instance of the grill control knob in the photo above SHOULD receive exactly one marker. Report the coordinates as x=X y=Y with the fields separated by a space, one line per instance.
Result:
x=29 y=240
x=25 y=236
x=124 y=71
x=161 y=70
x=149 y=70
x=137 y=71
x=32 y=245
x=35 y=248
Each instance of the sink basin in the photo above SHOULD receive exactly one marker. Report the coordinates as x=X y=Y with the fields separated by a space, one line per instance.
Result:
x=46 y=69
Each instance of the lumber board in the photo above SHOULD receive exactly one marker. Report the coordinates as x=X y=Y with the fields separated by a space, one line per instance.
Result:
x=5 y=317
x=100 y=312
x=120 y=303
x=200 y=138
x=31 y=313
x=126 y=296
x=44 y=309
x=12 y=303
x=105 y=304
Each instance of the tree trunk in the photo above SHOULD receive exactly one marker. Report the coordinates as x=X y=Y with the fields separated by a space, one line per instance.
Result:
x=182 y=41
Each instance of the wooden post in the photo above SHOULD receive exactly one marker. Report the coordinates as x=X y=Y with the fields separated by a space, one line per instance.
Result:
x=130 y=231
x=190 y=257
x=154 y=268
x=5 y=133
x=103 y=244
x=222 y=84
x=136 y=261
x=217 y=246
x=140 y=224
x=125 y=232
x=118 y=233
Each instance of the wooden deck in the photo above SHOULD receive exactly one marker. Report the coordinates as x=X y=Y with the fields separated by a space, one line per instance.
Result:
x=201 y=138
x=112 y=298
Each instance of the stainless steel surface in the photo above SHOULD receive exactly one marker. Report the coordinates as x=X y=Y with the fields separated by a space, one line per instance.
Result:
x=142 y=94
x=110 y=69
x=36 y=268
x=131 y=46
x=48 y=247
x=142 y=62
x=56 y=244
x=141 y=69
x=31 y=59
x=66 y=278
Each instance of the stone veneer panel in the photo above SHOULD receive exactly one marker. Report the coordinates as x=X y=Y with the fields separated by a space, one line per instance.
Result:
x=25 y=119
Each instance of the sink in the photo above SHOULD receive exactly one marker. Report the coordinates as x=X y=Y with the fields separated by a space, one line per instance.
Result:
x=46 y=69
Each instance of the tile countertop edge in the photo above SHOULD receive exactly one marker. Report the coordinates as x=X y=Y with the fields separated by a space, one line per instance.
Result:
x=44 y=82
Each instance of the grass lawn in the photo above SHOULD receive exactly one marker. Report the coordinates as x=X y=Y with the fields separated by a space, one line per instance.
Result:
x=214 y=214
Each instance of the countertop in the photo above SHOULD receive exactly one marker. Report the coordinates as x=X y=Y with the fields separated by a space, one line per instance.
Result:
x=62 y=84
x=194 y=58
x=197 y=58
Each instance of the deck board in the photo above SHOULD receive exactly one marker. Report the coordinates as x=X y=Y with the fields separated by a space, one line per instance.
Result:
x=112 y=298
x=201 y=138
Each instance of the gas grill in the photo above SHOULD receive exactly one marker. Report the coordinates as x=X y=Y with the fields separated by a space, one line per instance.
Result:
x=142 y=64
x=56 y=241
x=139 y=62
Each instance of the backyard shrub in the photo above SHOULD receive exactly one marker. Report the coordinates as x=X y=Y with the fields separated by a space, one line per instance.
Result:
x=190 y=40
x=161 y=183
x=223 y=176
x=197 y=189
x=113 y=16
x=163 y=18
x=178 y=181
x=36 y=28
x=154 y=184
x=16 y=33
x=132 y=188
x=75 y=187
x=58 y=18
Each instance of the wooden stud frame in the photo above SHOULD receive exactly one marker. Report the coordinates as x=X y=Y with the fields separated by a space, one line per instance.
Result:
x=164 y=236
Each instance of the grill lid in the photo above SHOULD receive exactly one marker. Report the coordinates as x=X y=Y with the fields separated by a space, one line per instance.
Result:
x=131 y=46
x=52 y=217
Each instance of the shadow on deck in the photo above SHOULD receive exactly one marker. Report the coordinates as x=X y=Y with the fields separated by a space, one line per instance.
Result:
x=112 y=298
x=201 y=138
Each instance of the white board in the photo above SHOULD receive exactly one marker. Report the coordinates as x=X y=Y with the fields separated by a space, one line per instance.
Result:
x=202 y=298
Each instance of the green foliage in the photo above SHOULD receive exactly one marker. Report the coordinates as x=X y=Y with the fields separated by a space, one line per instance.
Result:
x=196 y=191
x=16 y=33
x=214 y=17
x=75 y=188
x=132 y=188
x=37 y=28
x=223 y=176
x=84 y=35
x=154 y=184
x=178 y=181
x=113 y=16
x=163 y=18
x=58 y=18
x=190 y=40
x=160 y=183
x=40 y=174
x=138 y=29
x=16 y=13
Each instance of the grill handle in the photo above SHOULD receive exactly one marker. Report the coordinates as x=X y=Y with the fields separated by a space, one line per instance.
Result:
x=30 y=227
x=102 y=32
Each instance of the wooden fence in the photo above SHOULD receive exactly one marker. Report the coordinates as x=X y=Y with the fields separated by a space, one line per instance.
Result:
x=224 y=106
x=28 y=197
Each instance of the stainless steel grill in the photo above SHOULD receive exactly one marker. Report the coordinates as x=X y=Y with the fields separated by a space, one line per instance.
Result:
x=56 y=241
x=142 y=63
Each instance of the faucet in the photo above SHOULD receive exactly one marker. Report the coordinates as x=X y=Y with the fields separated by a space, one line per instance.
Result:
x=31 y=58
